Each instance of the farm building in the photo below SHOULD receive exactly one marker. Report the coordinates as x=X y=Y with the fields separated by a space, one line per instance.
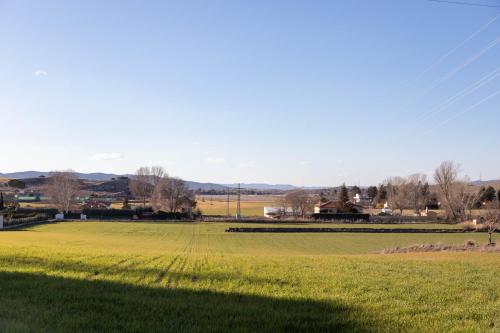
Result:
x=362 y=200
x=28 y=198
x=332 y=207
x=328 y=207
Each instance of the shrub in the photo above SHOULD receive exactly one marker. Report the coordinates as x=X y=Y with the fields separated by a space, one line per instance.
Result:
x=97 y=213
x=471 y=243
x=50 y=212
x=341 y=216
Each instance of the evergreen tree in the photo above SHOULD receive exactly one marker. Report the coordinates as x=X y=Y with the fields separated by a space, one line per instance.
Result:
x=344 y=195
x=355 y=190
x=425 y=190
x=432 y=201
x=2 y=206
x=382 y=193
x=372 y=192
x=489 y=194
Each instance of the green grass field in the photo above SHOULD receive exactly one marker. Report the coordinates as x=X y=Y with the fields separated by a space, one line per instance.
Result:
x=193 y=277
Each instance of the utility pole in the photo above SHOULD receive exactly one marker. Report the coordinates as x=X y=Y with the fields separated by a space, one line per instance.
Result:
x=238 y=206
x=227 y=203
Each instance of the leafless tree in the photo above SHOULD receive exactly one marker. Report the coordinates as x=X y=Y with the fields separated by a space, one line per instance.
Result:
x=292 y=201
x=157 y=173
x=300 y=201
x=141 y=184
x=62 y=188
x=415 y=191
x=396 y=193
x=470 y=200
x=282 y=203
x=492 y=219
x=452 y=190
x=171 y=195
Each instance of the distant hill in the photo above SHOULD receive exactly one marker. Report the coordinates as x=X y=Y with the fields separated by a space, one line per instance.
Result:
x=262 y=186
x=99 y=176
x=486 y=182
x=205 y=186
x=35 y=174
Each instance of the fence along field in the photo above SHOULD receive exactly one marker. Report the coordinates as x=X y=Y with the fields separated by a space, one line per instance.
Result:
x=194 y=277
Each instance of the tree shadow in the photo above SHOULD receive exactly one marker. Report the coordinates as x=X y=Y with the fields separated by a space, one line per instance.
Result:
x=28 y=227
x=40 y=303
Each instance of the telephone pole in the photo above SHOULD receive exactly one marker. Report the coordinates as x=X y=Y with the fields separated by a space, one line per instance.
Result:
x=238 y=206
x=227 y=203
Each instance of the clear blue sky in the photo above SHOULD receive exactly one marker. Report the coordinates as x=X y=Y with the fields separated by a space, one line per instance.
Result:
x=300 y=92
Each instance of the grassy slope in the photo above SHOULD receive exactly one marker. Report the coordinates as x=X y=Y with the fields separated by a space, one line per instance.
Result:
x=194 y=277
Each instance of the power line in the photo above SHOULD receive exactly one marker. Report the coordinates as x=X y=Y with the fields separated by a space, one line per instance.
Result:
x=463 y=65
x=461 y=94
x=475 y=4
x=457 y=69
x=462 y=43
x=466 y=110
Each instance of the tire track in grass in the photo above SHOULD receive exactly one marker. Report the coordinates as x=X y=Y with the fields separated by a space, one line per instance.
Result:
x=202 y=254
x=167 y=269
x=174 y=278
x=110 y=268
x=173 y=262
x=119 y=269
x=176 y=260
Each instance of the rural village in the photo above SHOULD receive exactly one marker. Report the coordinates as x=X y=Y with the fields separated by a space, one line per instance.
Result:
x=151 y=194
x=236 y=166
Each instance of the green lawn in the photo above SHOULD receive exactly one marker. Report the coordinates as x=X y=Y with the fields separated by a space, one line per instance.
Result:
x=193 y=277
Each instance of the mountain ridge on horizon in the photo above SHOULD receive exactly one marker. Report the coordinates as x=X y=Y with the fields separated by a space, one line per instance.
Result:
x=102 y=176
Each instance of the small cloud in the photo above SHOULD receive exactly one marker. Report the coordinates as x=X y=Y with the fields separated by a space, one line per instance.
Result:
x=214 y=160
x=107 y=157
x=196 y=143
x=40 y=72
x=304 y=163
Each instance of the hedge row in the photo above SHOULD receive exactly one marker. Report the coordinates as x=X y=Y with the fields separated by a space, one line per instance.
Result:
x=341 y=216
x=361 y=230
x=49 y=211
x=104 y=214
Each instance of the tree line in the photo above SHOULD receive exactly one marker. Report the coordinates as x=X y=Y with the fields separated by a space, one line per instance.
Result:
x=453 y=193
x=149 y=185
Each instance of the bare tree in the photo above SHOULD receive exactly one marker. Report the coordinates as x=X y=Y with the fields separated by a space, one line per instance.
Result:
x=396 y=193
x=452 y=190
x=141 y=184
x=282 y=204
x=300 y=201
x=157 y=173
x=292 y=200
x=171 y=195
x=416 y=192
x=62 y=188
x=472 y=200
x=492 y=219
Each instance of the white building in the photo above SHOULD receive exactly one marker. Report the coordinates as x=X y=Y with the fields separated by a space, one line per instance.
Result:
x=273 y=212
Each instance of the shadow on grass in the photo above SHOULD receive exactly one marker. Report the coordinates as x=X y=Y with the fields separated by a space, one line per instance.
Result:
x=39 y=303
x=28 y=227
